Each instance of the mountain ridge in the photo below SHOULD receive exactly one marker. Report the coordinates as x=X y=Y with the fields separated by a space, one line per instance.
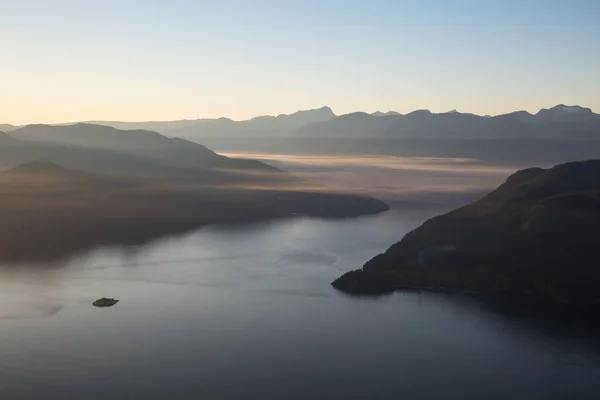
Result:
x=325 y=109
x=566 y=122
x=227 y=126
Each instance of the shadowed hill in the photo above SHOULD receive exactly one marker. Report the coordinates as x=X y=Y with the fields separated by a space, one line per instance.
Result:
x=536 y=234
x=102 y=149
x=137 y=142
x=49 y=212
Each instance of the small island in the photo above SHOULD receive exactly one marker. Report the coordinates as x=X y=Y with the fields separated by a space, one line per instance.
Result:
x=536 y=235
x=105 y=302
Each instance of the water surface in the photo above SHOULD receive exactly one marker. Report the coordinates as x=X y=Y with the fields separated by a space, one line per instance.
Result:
x=248 y=312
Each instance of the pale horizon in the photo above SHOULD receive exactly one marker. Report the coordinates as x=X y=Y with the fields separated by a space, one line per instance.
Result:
x=68 y=61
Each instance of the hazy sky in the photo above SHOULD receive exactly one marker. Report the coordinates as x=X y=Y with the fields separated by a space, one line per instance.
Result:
x=69 y=60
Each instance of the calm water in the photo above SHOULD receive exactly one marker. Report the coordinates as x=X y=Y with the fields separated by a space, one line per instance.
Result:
x=249 y=313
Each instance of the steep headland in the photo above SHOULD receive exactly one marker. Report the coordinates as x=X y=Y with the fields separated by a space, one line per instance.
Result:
x=536 y=234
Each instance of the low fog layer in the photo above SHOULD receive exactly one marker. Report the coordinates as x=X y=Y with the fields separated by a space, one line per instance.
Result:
x=401 y=181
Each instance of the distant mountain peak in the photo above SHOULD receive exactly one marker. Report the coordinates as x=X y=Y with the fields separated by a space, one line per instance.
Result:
x=521 y=116
x=356 y=114
x=325 y=109
x=323 y=112
x=286 y=122
x=562 y=107
x=521 y=112
x=563 y=110
x=382 y=114
x=420 y=112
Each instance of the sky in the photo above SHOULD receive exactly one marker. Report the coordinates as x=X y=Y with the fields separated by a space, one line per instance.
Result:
x=80 y=60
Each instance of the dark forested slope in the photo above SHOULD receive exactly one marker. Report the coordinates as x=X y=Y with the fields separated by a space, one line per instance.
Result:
x=536 y=234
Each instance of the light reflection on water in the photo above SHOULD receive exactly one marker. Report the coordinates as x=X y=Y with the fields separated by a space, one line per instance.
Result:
x=249 y=313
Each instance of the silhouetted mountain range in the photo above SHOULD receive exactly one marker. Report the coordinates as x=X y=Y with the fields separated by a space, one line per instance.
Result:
x=534 y=235
x=559 y=122
x=552 y=135
x=558 y=134
x=555 y=135
x=219 y=127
